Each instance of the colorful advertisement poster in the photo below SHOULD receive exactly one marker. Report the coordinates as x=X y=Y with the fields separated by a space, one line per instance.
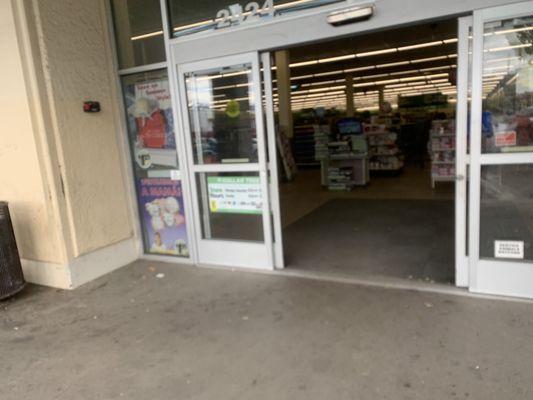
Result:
x=150 y=114
x=235 y=194
x=161 y=207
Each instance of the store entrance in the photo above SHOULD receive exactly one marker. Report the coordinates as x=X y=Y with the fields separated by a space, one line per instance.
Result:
x=367 y=152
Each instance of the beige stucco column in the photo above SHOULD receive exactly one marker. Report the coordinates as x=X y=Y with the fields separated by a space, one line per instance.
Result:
x=62 y=170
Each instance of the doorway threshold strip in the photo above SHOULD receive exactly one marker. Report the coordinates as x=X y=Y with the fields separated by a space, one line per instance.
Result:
x=378 y=282
x=396 y=284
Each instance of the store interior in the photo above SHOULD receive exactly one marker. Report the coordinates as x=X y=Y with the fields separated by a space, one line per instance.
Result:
x=367 y=154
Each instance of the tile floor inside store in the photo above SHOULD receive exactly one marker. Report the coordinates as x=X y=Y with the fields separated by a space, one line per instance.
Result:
x=395 y=227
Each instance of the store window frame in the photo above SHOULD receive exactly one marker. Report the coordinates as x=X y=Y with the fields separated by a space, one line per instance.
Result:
x=128 y=154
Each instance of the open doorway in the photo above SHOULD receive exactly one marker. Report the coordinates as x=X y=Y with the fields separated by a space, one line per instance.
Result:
x=367 y=153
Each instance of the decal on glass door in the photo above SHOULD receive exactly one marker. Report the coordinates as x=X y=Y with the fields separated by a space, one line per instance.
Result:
x=508 y=249
x=234 y=194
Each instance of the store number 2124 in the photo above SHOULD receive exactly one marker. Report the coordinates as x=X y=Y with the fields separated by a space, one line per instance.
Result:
x=235 y=14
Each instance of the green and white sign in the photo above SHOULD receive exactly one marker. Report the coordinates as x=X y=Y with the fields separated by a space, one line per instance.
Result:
x=234 y=194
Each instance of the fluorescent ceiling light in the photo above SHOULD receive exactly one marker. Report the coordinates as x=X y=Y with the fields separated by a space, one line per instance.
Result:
x=421 y=60
x=516 y=46
x=146 y=35
x=193 y=25
x=339 y=58
x=392 y=64
x=406 y=72
x=375 y=76
x=368 y=67
x=376 y=52
x=505 y=31
x=436 y=68
x=420 y=45
x=340 y=71
x=237 y=73
x=304 y=63
x=452 y=40
x=295 y=78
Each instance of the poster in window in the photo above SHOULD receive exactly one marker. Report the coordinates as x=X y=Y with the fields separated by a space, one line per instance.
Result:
x=150 y=114
x=150 y=122
x=163 y=217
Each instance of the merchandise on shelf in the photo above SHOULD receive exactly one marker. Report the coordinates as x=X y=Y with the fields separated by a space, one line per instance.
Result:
x=304 y=144
x=347 y=163
x=442 y=150
x=383 y=149
x=321 y=144
x=340 y=178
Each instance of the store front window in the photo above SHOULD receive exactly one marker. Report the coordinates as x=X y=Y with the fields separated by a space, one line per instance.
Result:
x=138 y=32
x=155 y=163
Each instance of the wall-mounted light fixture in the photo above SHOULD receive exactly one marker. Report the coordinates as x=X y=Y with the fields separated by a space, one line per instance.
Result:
x=351 y=15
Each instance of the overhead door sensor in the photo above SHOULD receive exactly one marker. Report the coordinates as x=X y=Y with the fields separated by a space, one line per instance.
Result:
x=350 y=15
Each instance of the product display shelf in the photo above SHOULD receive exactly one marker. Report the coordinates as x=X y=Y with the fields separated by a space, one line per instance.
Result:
x=384 y=152
x=442 y=150
x=304 y=144
x=344 y=168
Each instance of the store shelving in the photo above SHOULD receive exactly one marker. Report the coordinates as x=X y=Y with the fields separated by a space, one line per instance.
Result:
x=304 y=144
x=383 y=149
x=442 y=150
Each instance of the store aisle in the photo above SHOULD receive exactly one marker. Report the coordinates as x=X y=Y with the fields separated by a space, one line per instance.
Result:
x=411 y=239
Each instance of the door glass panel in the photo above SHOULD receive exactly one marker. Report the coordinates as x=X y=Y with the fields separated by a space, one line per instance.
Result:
x=507 y=119
x=230 y=205
x=506 y=208
x=222 y=111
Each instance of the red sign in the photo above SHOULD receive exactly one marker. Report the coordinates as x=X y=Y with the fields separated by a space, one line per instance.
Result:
x=505 y=139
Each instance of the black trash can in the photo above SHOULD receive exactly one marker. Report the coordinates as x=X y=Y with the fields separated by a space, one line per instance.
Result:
x=11 y=277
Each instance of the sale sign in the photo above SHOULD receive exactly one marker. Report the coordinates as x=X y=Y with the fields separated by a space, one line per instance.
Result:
x=505 y=139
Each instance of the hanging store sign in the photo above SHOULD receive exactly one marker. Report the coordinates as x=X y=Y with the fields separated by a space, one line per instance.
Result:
x=234 y=194
x=509 y=249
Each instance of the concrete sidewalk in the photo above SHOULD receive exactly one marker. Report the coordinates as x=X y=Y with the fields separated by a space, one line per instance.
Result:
x=208 y=334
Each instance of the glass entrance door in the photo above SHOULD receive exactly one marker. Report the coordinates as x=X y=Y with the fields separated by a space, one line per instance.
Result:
x=221 y=105
x=501 y=167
